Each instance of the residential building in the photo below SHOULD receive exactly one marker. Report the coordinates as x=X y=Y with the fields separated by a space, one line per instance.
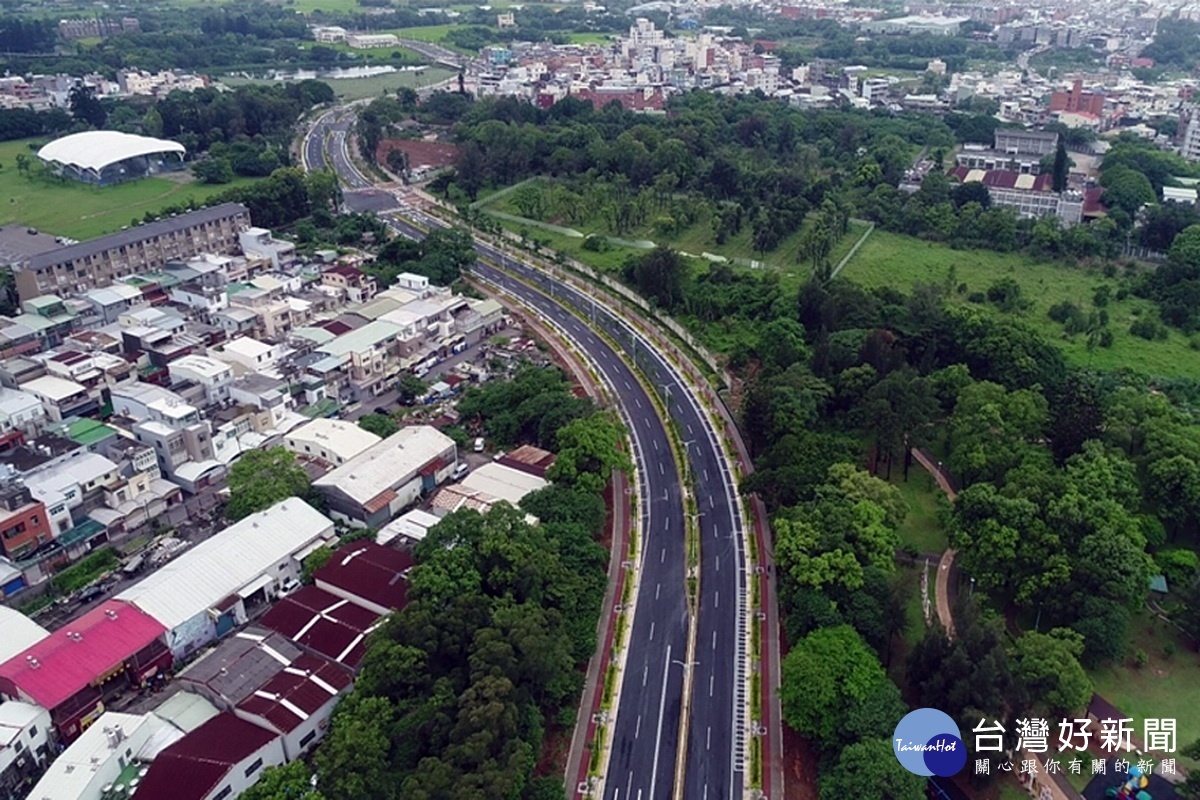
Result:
x=262 y=677
x=356 y=285
x=410 y=527
x=217 y=761
x=215 y=376
x=12 y=582
x=376 y=485
x=110 y=302
x=79 y=481
x=108 y=753
x=21 y=411
x=1018 y=140
x=1029 y=195
x=250 y=355
x=936 y=25
x=334 y=441
x=24 y=523
x=259 y=243
x=1191 y=139
x=24 y=747
x=204 y=593
x=324 y=624
x=72 y=672
x=368 y=575
x=78 y=268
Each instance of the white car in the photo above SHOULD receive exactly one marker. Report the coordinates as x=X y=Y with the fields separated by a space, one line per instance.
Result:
x=461 y=471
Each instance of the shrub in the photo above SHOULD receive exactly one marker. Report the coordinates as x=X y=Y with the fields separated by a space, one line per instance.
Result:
x=1061 y=312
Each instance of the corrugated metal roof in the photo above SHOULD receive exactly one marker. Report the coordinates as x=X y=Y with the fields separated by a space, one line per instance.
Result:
x=217 y=567
x=60 y=665
x=323 y=623
x=17 y=632
x=192 y=767
x=368 y=571
x=391 y=463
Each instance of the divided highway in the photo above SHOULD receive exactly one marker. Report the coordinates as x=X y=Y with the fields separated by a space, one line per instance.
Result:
x=645 y=741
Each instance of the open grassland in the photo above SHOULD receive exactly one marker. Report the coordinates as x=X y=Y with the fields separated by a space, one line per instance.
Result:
x=694 y=240
x=888 y=259
x=374 y=86
x=921 y=528
x=83 y=212
x=425 y=33
x=1166 y=687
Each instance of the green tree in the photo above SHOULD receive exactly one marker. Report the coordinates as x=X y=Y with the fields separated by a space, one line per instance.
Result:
x=410 y=388
x=589 y=450
x=382 y=425
x=1048 y=665
x=315 y=560
x=286 y=782
x=261 y=478
x=353 y=761
x=825 y=676
x=1126 y=189
x=659 y=275
x=1061 y=167
x=869 y=770
x=85 y=105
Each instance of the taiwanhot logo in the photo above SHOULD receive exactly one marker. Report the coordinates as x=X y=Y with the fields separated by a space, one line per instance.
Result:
x=927 y=742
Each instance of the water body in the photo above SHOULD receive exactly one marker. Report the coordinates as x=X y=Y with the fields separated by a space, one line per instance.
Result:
x=338 y=73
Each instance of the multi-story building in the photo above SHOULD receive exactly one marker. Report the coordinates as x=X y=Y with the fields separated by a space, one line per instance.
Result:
x=24 y=525
x=1191 y=139
x=1077 y=101
x=1020 y=141
x=358 y=286
x=215 y=376
x=78 y=268
x=20 y=411
x=328 y=34
x=371 y=41
x=259 y=243
x=24 y=747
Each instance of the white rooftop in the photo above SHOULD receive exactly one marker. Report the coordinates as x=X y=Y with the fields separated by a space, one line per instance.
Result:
x=503 y=483
x=53 y=388
x=218 y=567
x=388 y=463
x=98 y=149
x=412 y=524
x=247 y=347
x=16 y=716
x=345 y=439
x=14 y=401
x=83 y=770
x=17 y=633
x=201 y=365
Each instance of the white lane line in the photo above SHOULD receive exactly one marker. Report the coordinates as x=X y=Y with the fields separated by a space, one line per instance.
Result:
x=657 y=588
x=652 y=635
x=655 y=443
x=638 y=727
x=662 y=471
x=718 y=565
x=662 y=556
x=627 y=386
x=646 y=671
x=662 y=706
x=714 y=636
x=716 y=599
x=690 y=431
x=707 y=738
x=638 y=401
x=706 y=474
x=710 y=685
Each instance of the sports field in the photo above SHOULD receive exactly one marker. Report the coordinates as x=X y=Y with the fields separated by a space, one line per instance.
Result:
x=83 y=212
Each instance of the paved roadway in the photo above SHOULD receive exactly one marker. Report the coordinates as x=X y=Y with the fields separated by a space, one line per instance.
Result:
x=653 y=680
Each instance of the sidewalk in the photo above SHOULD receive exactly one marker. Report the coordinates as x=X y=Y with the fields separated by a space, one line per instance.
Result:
x=946 y=562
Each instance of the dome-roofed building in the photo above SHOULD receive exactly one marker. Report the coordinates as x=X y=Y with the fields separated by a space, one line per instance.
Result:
x=105 y=157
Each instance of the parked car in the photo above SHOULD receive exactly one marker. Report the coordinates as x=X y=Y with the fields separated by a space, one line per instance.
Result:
x=479 y=444
x=381 y=410
x=461 y=471
x=288 y=586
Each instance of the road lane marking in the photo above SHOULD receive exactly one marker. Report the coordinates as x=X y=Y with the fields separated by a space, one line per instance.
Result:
x=710 y=685
x=662 y=706
x=707 y=738
x=662 y=471
x=657 y=587
x=706 y=474
x=690 y=428
x=716 y=599
x=645 y=672
x=638 y=401
x=718 y=565
x=637 y=728
x=714 y=636
x=655 y=443
x=652 y=634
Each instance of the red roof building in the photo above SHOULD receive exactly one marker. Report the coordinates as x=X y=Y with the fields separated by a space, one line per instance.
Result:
x=325 y=624
x=368 y=575
x=223 y=757
x=297 y=702
x=72 y=671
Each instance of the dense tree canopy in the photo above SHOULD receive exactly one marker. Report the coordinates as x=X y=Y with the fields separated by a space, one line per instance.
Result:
x=261 y=478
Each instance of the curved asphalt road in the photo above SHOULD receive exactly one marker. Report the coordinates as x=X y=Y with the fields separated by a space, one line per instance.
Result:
x=642 y=763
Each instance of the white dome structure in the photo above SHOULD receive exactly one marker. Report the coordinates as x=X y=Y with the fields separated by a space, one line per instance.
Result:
x=104 y=157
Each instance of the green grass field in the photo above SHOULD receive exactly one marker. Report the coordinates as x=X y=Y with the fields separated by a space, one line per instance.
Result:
x=425 y=33
x=1167 y=687
x=383 y=54
x=309 y=6
x=361 y=88
x=84 y=212
x=589 y=38
x=888 y=259
x=694 y=240
x=921 y=528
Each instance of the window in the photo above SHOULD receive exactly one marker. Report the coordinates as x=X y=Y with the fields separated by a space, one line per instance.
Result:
x=253 y=768
x=308 y=737
x=221 y=795
x=33 y=732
